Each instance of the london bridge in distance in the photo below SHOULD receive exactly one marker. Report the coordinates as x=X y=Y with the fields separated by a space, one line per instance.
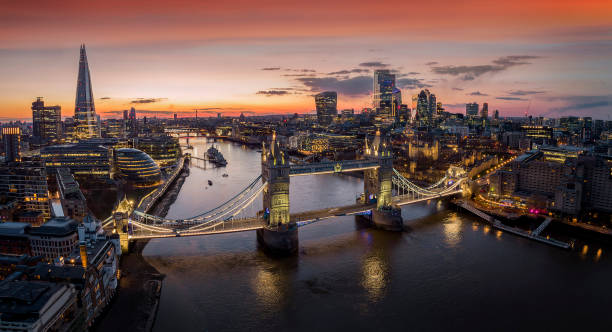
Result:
x=374 y=171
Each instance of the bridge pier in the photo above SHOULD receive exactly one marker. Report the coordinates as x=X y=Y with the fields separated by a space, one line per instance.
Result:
x=279 y=241
x=388 y=219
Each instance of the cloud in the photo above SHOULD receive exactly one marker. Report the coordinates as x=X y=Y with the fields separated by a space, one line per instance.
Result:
x=458 y=89
x=354 y=86
x=271 y=68
x=469 y=73
x=146 y=100
x=152 y=112
x=270 y=93
x=431 y=63
x=299 y=75
x=346 y=72
x=477 y=93
x=510 y=98
x=411 y=83
x=597 y=106
x=301 y=70
x=524 y=92
x=374 y=64
x=105 y=98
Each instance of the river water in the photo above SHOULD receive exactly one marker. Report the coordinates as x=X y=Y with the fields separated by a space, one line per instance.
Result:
x=447 y=271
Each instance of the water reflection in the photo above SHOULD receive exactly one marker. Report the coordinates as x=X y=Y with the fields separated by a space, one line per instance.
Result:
x=267 y=286
x=452 y=229
x=375 y=275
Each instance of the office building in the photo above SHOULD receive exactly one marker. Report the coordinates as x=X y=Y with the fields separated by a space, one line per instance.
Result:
x=74 y=204
x=484 y=112
x=86 y=160
x=136 y=167
x=86 y=122
x=326 y=103
x=26 y=183
x=57 y=237
x=37 y=306
x=11 y=139
x=46 y=123
x=384 y=87
x=426 y=107
x=471 y=109
x=164 y=150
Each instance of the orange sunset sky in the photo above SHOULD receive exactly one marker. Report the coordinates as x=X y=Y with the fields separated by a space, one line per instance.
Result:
x=549 y=58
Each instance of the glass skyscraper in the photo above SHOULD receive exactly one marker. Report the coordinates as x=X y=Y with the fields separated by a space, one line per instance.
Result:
x=84 y=110
x=384 y=87
x=326 y=103
x=46 y=122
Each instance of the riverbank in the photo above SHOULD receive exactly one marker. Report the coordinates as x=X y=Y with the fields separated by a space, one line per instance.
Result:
x=135 y=304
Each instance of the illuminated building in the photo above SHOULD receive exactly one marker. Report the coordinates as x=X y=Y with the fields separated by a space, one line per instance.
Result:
x=543 y=134
x=84 y=110
x=46 y=122
x=426 y=107
x=27 y=184
x=384 y=87
x=484 y=112
x=471 y=109
x=114 y=128
x=425 y=150
x=165 y=150
x=85 y=160
x=57 y=237
x=11 y=137
x=326 y=107
x=136 y=167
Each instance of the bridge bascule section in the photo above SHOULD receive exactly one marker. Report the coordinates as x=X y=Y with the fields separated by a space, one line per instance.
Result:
x=385 y=190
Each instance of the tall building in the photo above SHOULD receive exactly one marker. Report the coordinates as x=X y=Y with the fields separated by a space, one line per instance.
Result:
x=484 y=112
x=426 y=107
x=384 y=88
x=84 y=109
x=471 y=109
x=11 y=137
x=326 y=103
x=46 y=122
x=26 y=183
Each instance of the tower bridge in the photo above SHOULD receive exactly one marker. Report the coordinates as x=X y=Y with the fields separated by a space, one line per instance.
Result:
x=385 y=190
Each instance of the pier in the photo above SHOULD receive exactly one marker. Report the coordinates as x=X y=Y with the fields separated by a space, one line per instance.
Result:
x=535 y=235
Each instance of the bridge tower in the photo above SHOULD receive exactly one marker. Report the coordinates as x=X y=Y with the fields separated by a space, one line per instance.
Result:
x=121 y=228
x=280 y=234
x=378 y=184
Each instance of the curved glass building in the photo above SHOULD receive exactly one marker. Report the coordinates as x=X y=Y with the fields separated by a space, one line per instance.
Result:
x=137 y=167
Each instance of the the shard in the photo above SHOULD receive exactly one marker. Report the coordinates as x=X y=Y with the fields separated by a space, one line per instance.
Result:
x=86 y=122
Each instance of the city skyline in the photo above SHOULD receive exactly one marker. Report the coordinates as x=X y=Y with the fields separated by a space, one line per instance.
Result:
x=537 y=58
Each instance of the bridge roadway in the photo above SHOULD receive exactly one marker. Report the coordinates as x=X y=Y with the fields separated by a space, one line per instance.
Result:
x=300 y=218
x=333 y=167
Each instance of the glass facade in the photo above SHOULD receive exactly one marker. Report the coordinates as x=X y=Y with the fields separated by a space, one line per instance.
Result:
x=84 y=110
x=137 y=167
x=165 y=150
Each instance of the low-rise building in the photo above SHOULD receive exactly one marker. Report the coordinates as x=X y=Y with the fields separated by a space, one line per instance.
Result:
x=37 y=306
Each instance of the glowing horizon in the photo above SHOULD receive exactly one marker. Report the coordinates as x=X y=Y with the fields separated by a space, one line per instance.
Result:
x=547 y=58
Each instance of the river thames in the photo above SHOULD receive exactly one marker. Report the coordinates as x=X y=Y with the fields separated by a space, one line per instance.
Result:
x=446 y=271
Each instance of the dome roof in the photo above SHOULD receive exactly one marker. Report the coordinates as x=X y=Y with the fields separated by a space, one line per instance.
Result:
x=137 y=166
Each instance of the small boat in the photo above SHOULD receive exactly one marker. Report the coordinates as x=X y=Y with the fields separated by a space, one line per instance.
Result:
x=224 y=175
x=209 y=183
